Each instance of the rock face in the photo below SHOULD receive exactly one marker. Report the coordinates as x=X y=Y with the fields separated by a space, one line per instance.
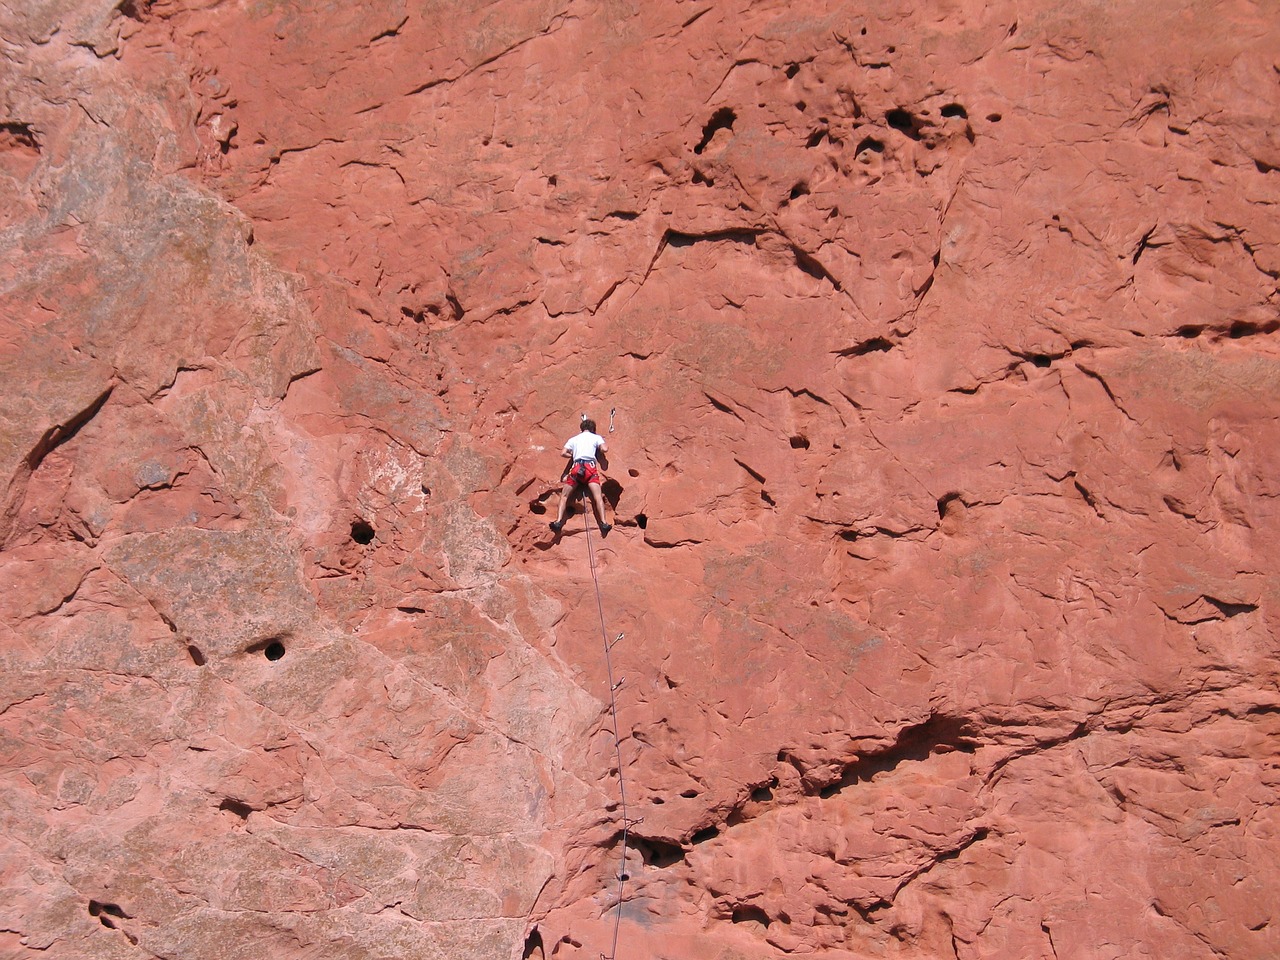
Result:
x=940 y=344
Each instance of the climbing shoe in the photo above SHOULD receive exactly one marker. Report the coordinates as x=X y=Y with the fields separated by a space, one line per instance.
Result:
x=556 y=525
x=604 y=529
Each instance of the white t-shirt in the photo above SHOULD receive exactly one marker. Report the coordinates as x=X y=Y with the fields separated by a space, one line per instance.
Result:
x=584 y=445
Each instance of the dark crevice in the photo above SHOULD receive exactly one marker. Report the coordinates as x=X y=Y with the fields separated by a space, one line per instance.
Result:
x=1229 y=609
x=533 y=947
x=874 y=345
x=390 y=31
x=810 y=265
x=1144 y=244
x=59 y=434
x=722 y=119
x=107 y=913
x=642 y=521
x=705 y=834
x=136 y=9
x=197 y=657
x=722 y=407
x=955 y=110
x=799 y=442
x=611 y=490
x=938 y=734
x=757 y=477
x=1243 y=328
x=674 y=238
x=945 y=502
x=18 y=134
x=1088 y=497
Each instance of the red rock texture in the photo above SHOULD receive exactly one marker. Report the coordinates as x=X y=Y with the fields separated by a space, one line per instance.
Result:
x=941 y=341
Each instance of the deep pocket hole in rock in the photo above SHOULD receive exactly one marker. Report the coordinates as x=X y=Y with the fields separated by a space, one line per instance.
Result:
x=272 y=649
x=362 y=532
x=642 y=521
x=657 y=853
x=196 y=656
x=747 y=913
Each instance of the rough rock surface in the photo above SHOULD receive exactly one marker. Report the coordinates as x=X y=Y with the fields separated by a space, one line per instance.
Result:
x=942 y=340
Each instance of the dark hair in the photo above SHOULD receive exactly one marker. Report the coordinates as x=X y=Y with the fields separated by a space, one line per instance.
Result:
x=589 y=425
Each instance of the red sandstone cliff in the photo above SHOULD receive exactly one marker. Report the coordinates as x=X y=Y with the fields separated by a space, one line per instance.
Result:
x=942 y=340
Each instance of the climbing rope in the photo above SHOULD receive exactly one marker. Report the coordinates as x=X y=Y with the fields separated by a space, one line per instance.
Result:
x=617 y=740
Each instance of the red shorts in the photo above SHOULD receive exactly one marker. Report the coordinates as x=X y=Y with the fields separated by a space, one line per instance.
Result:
x=583 y=472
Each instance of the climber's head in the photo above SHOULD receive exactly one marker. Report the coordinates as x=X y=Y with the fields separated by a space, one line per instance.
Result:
x=588 y=425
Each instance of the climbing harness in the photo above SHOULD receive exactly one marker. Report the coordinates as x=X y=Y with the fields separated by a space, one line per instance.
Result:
x=627 y=822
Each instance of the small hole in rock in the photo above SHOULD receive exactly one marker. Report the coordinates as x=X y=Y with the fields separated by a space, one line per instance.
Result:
x=657 y=801
x=362 y=532
x=761 y=794
x=994 y=117
x=688 y=794
x=642 y=521
x=273 y=651
x=1189 y=333
x=799 y=442
x=633 y=472
x=1241 y=329
x=792 y=70
x=552 y=180
x=196 y=656
x=869 y=143
x=799 y=190
x=955 y=110
x=1041 y=360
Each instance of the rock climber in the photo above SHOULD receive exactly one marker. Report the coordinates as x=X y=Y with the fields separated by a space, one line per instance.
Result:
x=583 y=471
